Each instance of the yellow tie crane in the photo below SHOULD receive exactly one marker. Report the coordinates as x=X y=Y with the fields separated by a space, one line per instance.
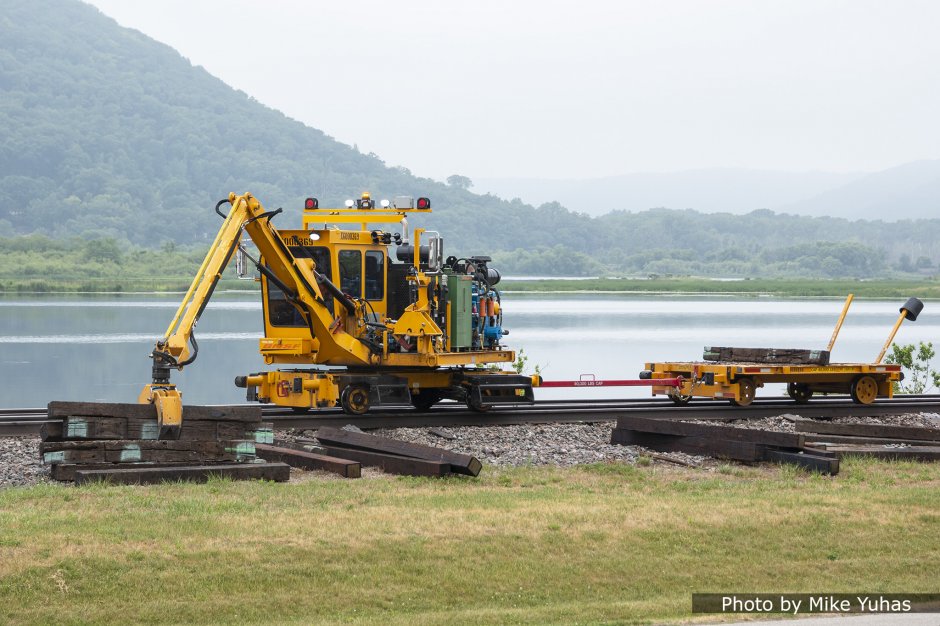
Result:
x=412 y=332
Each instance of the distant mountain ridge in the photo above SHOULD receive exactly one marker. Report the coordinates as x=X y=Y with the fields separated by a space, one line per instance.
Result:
x=909 y=191
x=710 y=190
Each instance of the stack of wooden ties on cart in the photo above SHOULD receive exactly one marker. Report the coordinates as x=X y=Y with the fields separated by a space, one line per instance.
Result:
x=781 y=356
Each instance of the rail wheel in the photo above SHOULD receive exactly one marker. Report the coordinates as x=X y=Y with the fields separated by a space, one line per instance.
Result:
x=746 y=390
x=475 y=405
x=300 y=410
x=864 y=390
x=800 y=392
x=355 y=399
x=424 y=400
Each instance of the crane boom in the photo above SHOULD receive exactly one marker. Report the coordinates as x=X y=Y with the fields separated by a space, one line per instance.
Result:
x=300 y=281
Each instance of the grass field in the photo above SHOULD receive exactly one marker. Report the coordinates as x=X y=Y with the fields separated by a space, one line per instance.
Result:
x=786 y=287
x=126 y=284
x=790 y=287
x=598 y=544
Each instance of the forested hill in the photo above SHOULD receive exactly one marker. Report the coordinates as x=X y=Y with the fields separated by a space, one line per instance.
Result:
x=107 y=133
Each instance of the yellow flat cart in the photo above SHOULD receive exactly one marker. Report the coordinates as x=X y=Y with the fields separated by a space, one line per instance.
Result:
x=738 y=381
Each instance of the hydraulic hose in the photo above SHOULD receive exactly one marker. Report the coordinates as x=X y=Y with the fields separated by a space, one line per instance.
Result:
x=268 y=215
x=192 y=357
x=170 y=360
x=335 y=292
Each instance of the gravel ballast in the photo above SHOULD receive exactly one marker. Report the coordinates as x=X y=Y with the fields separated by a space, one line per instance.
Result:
x=785 y=423
x=20 y=463
x=562 y=445
x=525 y=444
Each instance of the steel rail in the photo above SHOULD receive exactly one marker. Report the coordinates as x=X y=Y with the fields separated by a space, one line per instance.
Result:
x=16 y=422
x=500 y=417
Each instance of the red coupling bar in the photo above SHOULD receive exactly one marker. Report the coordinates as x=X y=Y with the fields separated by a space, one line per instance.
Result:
x=592 y=382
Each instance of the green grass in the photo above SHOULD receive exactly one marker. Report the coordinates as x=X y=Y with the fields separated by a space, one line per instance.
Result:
x=598 y=544
x=794 y=287
x=127 y=284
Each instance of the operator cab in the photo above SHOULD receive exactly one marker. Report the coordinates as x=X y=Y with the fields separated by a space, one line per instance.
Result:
x=459 y=293
x=356 y=261
x=356 y=267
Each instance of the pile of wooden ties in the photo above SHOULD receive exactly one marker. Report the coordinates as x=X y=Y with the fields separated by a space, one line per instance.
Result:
x=816 y=446
x=88 y=441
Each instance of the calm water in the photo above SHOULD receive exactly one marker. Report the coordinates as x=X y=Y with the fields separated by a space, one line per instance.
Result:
x=96 y=348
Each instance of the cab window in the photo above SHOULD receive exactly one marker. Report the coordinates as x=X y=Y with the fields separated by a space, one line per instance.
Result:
x=319 y=254
x=375 y=275
x=350 y=272
x=280 y=311
x=321 y=258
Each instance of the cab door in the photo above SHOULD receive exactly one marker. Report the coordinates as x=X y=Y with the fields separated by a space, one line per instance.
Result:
x=361 y=274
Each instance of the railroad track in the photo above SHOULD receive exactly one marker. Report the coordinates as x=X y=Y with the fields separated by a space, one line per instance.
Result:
x=28 y=421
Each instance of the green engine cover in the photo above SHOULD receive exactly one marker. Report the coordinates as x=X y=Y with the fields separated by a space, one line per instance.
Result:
x=460 y=320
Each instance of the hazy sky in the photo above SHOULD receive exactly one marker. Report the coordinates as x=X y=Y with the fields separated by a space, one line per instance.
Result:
x=583 y=88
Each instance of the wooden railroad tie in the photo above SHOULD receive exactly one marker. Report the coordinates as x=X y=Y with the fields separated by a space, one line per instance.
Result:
x=396 y=456
x=236 y=413
x=746 y=445
x=304 y=459
x=278 y=472
x=882 y=431
x=391 y=463
x=66 y=471
x=912 y=453
x=883 y=441
x=812 y=439
x=711 y=431
x=137 y=451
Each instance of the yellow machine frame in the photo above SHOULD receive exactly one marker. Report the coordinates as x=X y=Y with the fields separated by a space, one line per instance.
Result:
x=331 y=328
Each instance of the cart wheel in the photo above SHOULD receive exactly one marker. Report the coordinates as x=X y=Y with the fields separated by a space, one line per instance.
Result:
x=476 y=406
x=864 y=390
x=747 y=390
x=355 y=400
x=424 y=400
x=679 y=399
x=800 y=392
